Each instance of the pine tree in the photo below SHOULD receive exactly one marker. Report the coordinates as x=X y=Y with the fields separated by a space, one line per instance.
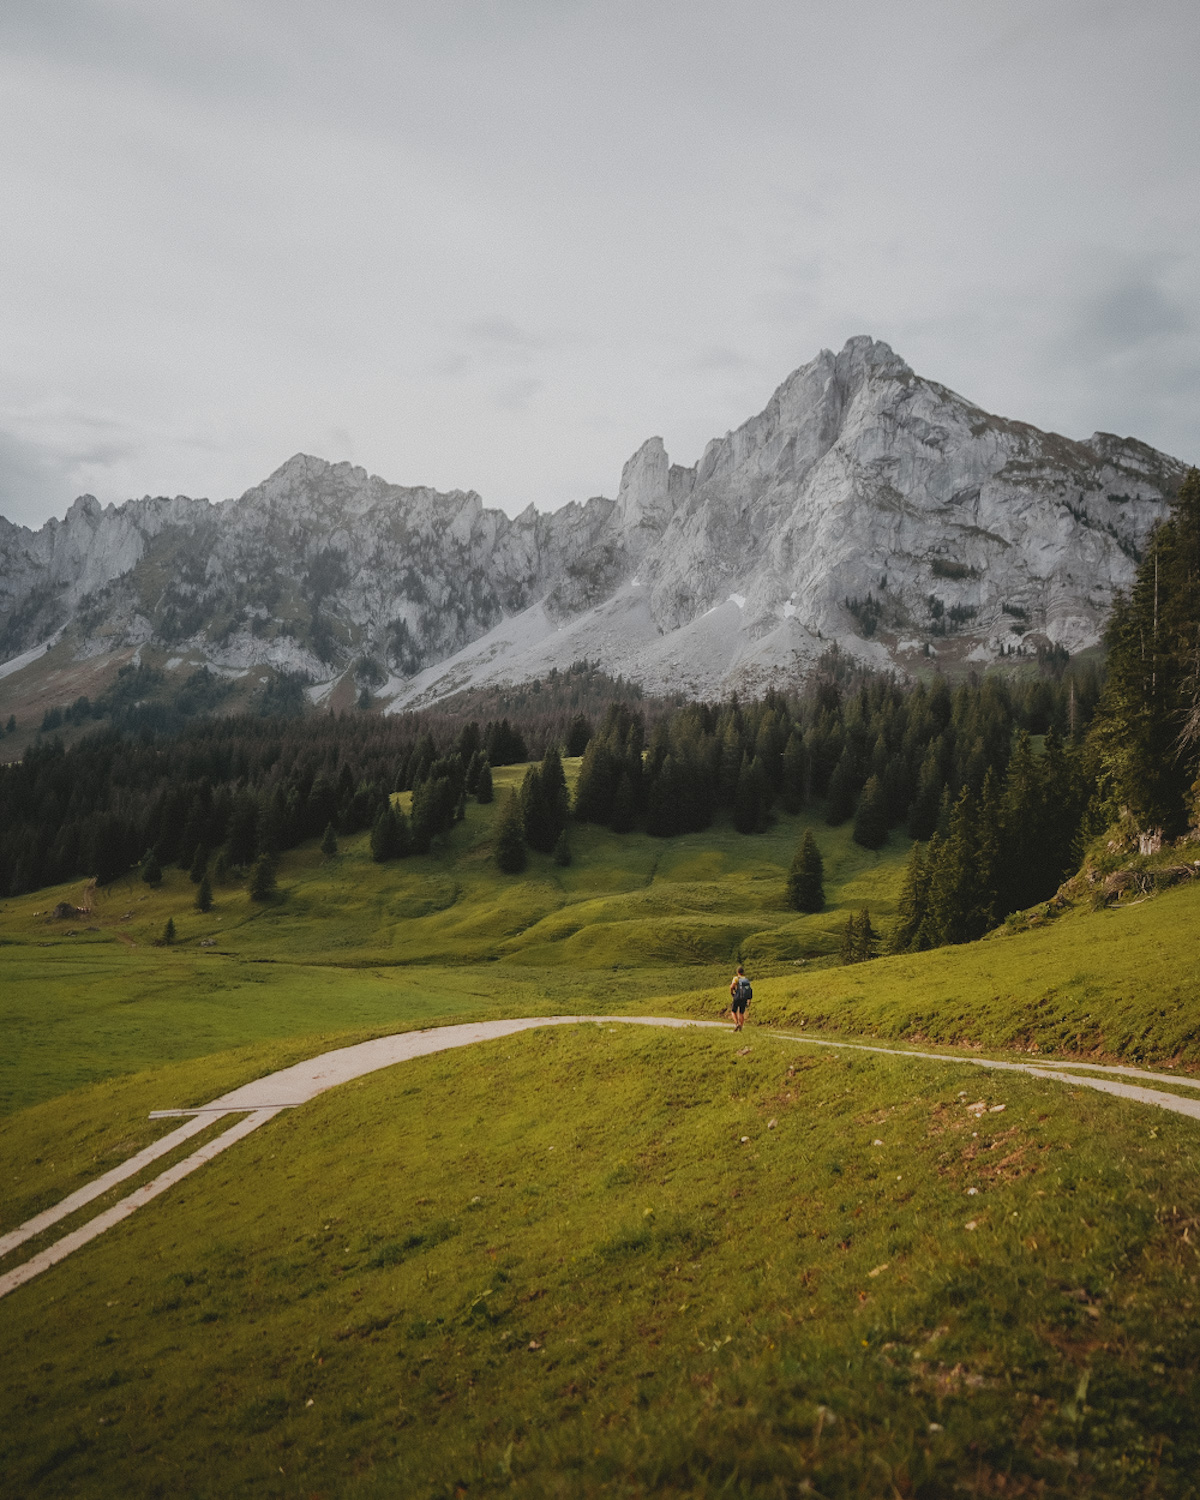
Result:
x=753 y=800
x=562 y=849
x=199 y=867
x=204 y=896
x=923 y=814
x=866 y=942
x=987 y=844
x=954 y=891
x=474 y=767
x=597 y=784
x=842 y=787
x=805 y=886
x=730 y=764
x=662 y=799
x=510 y=837
x=795 y=773
x=578 y=735
x=911 y=908
x=849 y=949
x=150 y=870
x=262 y=878
x=871 y=819
x=168 y=936
x=484 y=792
x=544 y=802
x=624 y=805
x=329 y=843
x=1146 y=735
x=385 y=836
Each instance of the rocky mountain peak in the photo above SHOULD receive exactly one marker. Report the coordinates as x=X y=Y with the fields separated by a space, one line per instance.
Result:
x=864 y=506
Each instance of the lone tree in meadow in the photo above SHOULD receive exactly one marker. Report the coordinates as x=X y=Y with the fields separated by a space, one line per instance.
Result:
x=168 y=936
x=150 y=869
x=329 y=843
x=511 y=855
x=204 y=894
x=806 y=879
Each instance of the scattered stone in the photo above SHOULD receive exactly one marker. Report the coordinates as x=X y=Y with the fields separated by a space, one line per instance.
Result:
x=971 y=1224
x=771 y=1124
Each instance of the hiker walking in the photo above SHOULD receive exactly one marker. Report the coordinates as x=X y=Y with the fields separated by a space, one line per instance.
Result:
x=740 y=995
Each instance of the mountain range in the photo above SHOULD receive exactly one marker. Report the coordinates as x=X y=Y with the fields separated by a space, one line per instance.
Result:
x=864 y=506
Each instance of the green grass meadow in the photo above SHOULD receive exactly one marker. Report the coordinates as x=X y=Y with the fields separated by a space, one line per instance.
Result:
x=601 y=1260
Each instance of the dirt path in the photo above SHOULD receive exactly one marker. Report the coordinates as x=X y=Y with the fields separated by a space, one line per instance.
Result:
x=262 y=1100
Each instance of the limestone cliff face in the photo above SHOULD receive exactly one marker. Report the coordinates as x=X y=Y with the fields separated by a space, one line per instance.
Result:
x=864 y=505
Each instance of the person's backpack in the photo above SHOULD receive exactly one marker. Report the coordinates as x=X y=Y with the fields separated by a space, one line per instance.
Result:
x=745 y=993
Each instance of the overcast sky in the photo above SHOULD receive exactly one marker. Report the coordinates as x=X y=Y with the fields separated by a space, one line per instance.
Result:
x=495 y=244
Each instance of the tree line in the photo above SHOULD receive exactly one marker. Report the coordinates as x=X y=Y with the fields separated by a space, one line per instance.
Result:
x=243 y=786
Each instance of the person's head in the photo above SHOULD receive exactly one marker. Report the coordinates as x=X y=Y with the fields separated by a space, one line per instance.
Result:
x=740 y=969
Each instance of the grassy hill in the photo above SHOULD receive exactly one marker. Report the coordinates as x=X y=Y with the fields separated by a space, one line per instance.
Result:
x=600 y=1260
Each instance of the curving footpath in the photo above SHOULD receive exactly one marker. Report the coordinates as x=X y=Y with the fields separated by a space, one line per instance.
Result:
x=262 y=1100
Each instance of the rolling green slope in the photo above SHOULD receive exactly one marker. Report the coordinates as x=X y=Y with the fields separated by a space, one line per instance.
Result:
x=352 y=946
x=605 y=1261
x=553 y=1265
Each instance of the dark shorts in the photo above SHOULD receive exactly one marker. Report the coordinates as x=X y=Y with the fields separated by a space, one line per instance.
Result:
x=738 y=1004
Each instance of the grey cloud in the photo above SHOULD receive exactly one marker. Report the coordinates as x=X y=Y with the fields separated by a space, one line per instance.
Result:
x=500 y=333
x=515 y=395
x=1126 y=316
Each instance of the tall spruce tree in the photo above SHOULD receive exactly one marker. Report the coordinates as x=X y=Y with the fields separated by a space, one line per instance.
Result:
x=753 y=801
x=795 y=773
x=871 y=817
x=866 y=940
x=806 y=878
x=1146 y=735
x=510 y=837
x=843 y=786
x=849 y=949
x=909 y=935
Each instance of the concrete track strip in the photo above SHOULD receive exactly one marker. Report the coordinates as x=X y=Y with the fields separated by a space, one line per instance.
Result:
x=94 y=1227
x=266 y=1097
x=96 y=1189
